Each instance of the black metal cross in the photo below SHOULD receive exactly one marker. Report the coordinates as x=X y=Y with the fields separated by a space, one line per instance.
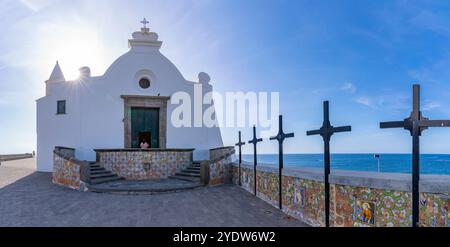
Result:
x=240 y=144
x=415 y=123
x=255 y=141
x=280 y=138
x=326 y=131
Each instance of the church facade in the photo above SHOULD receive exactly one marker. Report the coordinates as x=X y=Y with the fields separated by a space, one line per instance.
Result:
x=128 y=105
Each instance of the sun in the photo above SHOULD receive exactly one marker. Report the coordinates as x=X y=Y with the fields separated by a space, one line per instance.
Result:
x=74 y=46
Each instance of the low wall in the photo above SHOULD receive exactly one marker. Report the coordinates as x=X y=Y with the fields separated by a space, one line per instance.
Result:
x=219 y=153
x=139 y=164
x=68 y=171
x=218 y=170
x=357 y=198
x=10 y=157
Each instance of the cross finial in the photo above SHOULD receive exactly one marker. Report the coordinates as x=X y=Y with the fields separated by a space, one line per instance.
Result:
x=145 y=22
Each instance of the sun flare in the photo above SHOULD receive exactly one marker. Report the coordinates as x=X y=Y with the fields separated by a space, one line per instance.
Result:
x=74 y=47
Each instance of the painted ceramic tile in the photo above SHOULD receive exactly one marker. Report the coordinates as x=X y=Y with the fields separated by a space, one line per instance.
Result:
x=299 y=197
x=365 y=212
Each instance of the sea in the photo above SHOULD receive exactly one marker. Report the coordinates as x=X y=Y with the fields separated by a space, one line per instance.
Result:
x=398 y=163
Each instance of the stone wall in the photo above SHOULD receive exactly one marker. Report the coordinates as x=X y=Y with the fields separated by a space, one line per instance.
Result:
x=68 y=171
x=137 y=164
x=357 y=198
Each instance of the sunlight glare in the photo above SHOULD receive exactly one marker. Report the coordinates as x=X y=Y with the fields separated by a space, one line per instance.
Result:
x=74 y=46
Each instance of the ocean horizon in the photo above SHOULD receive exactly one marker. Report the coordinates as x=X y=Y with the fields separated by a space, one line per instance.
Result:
x=438 y=164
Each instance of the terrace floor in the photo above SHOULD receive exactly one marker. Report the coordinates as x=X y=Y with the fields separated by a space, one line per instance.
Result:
x=28 y=198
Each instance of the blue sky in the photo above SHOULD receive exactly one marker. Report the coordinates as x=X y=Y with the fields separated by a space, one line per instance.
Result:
x=363 y=56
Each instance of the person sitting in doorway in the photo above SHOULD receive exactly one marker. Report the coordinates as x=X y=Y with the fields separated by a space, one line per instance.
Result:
x=144 y=144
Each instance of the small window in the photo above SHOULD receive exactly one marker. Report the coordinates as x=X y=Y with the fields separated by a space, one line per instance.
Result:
x=144 y=83
x=61 y=107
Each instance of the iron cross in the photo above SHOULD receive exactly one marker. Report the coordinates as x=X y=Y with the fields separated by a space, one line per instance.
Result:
x=255 y=141
x=280 y=138
x=240 y=144
x=415 y=124
x=326 y=131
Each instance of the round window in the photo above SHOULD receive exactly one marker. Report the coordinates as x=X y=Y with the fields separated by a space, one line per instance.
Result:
x=144 y=83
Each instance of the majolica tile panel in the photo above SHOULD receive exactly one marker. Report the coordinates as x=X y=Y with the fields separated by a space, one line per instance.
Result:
x=145 y=165
x=350 y=206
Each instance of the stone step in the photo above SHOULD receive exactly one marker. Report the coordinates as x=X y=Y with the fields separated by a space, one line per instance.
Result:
x=97 y=169
x=186 y=178
x=103 y=175
x=192 y=170
x=104 y=180
x=99 y=172
x=187 y=174
x=141 y=187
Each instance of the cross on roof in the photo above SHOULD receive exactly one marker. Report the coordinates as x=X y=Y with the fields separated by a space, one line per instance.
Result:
x=145 y=22
x=415 y=124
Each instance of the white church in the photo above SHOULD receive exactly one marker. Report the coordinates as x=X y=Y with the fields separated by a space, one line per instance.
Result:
x=129 y=104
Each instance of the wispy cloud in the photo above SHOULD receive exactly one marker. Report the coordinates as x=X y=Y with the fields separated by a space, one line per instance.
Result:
x=30 y=4
x=434 y=72
x=391 y=102
x=431 y=21
x=348 y=87
x=364 y=101
x=430 y=105
x=36 y=5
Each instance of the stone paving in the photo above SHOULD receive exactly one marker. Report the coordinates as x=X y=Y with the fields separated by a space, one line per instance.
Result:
x=28 y=198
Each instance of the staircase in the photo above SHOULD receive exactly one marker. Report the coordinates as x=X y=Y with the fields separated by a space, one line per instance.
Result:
x=191 y=174
x=100 y=175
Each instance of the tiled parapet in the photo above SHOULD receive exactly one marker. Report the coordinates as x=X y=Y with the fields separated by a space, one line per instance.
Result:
x=68 y=152
x=357 y=198
x=220 y=153
x=68 y=171
x=138 y=164
x=218 y=169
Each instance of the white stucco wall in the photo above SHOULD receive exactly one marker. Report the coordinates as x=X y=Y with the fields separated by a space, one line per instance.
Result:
x=95 y=110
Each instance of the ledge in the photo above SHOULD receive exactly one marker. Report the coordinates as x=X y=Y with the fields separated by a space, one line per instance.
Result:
x=144 y=150
x=58 y=147
x=166 y=98
x=220 y=148
x=388 y=181
x=70 y=158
